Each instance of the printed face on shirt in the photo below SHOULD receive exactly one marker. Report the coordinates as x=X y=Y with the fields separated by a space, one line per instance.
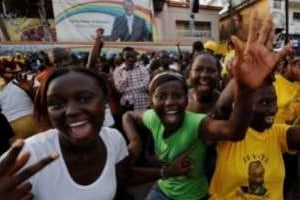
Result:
x=128 y=7
x=256 y=175
x=75 y=105
x=169 y=101
x=265 y=108
x=256 y=187
x=204 y=74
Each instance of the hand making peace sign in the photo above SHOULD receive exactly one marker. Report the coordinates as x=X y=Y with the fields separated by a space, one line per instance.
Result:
x=12 y=182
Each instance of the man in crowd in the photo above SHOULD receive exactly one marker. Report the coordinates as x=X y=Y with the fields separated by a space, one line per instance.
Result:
x=131 y=80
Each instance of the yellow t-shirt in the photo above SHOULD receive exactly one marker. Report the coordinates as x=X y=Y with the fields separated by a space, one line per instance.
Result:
x=256 y=160
x=288 y=99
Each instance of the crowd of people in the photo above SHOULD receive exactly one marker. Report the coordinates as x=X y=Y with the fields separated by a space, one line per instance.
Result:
x=193 y=125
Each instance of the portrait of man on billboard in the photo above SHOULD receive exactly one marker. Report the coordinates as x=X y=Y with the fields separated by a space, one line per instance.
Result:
x=129 y=26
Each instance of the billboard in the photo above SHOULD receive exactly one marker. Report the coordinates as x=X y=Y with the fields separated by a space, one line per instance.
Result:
x=123 y=20
x=28 y=29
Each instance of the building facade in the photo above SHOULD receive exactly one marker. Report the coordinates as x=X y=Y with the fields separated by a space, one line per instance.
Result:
x=294 y=18
x=236 y=19
x=175 y=23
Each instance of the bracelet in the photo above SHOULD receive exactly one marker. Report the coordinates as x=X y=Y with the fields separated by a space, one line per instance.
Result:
x=163 y=172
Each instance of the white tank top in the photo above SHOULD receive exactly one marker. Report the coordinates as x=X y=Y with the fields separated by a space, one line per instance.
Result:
x=55 y=182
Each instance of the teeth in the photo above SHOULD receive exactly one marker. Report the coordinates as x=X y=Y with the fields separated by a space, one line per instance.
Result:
x=77 y=123
x=269 y=119
x=203 y=82
x=171 y=112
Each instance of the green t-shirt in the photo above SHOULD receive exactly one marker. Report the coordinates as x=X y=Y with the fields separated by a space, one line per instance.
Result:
x=186 y=138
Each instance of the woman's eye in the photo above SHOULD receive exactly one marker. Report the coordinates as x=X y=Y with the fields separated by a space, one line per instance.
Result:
x=160 y=97
x=198 y=70
x=211 y=70
x=178 y=96
x=265 y=103
x=84 y=99
x=55 y=104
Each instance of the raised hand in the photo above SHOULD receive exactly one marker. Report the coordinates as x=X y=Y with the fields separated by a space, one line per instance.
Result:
x=12 y=185
x=96 y=49
x=100 y=32
x=256 y=60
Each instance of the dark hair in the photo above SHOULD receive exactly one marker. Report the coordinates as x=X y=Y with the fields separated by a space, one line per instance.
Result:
x=5 y=63
x=40 y=103
x=144 y=58
x=198 y=46
x=127 y=49
x=164 y=77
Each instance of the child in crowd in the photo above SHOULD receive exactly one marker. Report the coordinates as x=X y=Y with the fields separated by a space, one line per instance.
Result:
x=93 y=158
x=175 y=130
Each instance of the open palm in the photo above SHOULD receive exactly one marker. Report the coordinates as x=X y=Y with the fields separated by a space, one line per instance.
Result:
x=255 y=60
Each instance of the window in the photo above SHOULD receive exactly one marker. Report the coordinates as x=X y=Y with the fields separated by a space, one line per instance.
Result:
x=198 y=29
x=277 y=4
x=296 y=16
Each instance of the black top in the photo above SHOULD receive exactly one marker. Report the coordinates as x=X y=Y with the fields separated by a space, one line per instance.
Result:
x=5 y=134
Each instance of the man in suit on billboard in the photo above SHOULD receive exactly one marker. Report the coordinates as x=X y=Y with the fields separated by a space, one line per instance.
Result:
x=129 y=27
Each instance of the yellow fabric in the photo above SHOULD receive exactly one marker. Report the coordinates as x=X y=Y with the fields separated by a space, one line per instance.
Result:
x=211 y=45
x=222 y=49
x=230 y=180
x=2 y=83
x=23 y=127
x=288 y=99
x=227 y=60
x=224 y=70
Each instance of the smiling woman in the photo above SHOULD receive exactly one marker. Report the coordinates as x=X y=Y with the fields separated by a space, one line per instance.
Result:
x=205 y=74
x=76 y=111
